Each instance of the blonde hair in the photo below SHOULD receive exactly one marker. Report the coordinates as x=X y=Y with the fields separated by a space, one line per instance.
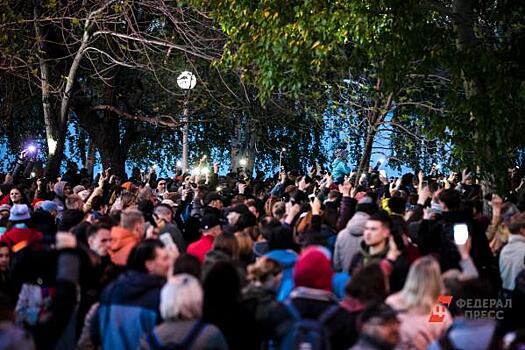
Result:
x=423 y=285
x=181 y=298
x=244 y=241
x=262 y=270
x=74 y=202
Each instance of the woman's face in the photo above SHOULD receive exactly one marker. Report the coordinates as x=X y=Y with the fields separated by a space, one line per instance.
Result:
x=4 y=258
x=16 y=196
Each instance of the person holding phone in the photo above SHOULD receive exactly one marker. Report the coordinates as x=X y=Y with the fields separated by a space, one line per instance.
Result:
x=444 y=234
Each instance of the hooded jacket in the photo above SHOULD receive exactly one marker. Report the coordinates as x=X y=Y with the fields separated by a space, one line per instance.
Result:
x=348 y=240
x=18 y=235
x=122 y=242
x=339 y=170
x=59 y=195
x=129 y=308
x=287 y=260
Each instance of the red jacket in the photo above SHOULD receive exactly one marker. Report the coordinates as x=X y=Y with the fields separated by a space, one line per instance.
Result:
x=16 y=236
x=201 y=247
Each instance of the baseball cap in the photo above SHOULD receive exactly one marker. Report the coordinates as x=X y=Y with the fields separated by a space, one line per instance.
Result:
x=209 y=221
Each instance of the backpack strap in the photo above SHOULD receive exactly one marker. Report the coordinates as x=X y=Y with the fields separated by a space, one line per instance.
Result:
x=193 y=334
x=328 y=313
x=445 y=342
x=153 y=341
x=292 y=310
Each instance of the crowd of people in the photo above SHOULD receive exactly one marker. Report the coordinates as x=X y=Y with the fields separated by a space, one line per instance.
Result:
x=323 y=259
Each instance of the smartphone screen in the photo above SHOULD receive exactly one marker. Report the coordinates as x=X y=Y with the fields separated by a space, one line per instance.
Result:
x=460 y=233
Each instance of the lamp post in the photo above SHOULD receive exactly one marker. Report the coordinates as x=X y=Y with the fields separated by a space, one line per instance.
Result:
x=186 y=81
x=281 y=158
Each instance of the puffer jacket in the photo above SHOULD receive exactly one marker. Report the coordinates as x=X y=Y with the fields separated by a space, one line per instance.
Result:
x=348 y=241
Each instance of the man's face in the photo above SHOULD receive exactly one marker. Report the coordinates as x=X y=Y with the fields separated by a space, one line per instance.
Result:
x=161 y=264
x=4 y=258
x=162 y=186
x=139 y=229
x=4 y=214
x=375 y=233
x=67 y=190
x=217 y=203
x=99 y=242
x=387 y=332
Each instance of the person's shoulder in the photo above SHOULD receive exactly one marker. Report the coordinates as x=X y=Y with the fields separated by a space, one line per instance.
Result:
x=396 y=301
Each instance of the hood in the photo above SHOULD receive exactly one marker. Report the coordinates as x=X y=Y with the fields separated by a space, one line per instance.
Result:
x=136 y=284
x=59 y=188
x=356 y=225
x=286 y=258
x=122 y=242
x=313 y=270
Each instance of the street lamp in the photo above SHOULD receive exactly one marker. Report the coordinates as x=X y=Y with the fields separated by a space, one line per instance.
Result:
x=243 y=162
x=186 y=81
x=281 y=158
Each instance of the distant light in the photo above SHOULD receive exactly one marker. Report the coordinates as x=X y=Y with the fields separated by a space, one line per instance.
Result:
x=218 y=189
x=284 y=149
x=179 y=163
x=186 y=80
x=52 y=145
x=33 y=174
x=31 y=148
x=243 y=162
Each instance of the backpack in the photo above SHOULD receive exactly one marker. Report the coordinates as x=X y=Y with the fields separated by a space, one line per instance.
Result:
x=186 y=343
x=308 y=334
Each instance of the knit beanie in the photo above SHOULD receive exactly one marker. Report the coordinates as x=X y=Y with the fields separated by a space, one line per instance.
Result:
x=313 y=270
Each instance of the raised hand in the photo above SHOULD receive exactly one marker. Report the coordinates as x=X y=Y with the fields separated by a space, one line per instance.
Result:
x=345 y=188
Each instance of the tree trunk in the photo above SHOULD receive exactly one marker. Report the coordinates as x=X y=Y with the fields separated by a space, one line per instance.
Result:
x=54 y=136
x=90 y=157
x=243 y=139
x=364 y=164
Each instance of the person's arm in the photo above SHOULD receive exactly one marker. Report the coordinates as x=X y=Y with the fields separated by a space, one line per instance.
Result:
x=98 y=191
x=18 y=168
x=496 y=204
x=348 y=205
x=278 y=189
x=468 y=269
x=316 y=214
x=67 y=284
x=196 y=205
x=292 y=213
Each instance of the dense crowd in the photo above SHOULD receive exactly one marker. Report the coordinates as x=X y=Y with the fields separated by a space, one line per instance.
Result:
x=327 y=259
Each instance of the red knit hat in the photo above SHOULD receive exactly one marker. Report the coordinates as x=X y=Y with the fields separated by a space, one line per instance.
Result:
x=313 y=270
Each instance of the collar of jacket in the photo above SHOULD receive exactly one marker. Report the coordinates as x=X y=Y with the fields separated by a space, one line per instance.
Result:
x=312 y=293
x=366 y=252
x=516 y=238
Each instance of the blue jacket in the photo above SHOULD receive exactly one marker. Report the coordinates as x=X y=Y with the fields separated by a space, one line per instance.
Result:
x=129 y=307
x=339 y=170
x=287 y=259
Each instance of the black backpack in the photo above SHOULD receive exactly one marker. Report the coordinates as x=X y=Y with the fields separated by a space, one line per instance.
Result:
x=186 y=343
x=308 y=333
